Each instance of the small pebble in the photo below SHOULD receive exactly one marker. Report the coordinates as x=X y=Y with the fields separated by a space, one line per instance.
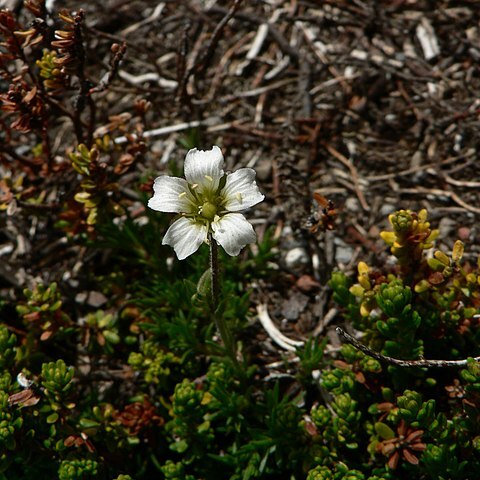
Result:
x=93 y=299
x=343 y=253
x=307 y=284
x=296 y=257
x=446 y=226
x=352 y=205
x=386 y=209
x=464 y=233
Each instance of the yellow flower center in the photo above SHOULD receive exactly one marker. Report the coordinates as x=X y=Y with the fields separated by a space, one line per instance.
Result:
x=208 y=210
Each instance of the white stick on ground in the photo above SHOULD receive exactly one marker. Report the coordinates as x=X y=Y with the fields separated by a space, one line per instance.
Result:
x=428 y=40
x=173 y=128
x=274 y=333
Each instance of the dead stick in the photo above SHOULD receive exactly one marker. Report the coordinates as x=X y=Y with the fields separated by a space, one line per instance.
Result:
x=202 y=63
x=402 y=363
x=353 y=173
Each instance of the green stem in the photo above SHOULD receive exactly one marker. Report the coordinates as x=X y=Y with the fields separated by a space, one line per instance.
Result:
x=222 y=327
x=215 y=272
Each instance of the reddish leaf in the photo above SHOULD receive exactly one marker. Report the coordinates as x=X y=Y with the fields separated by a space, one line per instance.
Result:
x=393 y=460
x=409 y=457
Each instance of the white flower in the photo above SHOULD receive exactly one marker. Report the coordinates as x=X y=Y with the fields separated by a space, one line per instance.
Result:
x=208 y=202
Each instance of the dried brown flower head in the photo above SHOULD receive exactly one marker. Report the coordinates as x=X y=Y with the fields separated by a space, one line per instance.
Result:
x=26 y=103
x=137 y=416
x=456 y=391
x=77 y=440
x=407 y=442
x=69 y=43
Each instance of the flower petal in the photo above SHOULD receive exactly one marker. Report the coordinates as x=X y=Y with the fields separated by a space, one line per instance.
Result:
x=172 y=195
x=241 y=191
x=233 y=232
x=185 y=236
x=204 y=168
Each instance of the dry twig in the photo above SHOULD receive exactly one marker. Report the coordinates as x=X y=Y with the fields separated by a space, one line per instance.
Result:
x=402 y=363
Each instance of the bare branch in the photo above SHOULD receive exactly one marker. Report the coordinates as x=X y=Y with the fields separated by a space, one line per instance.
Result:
x=402 y=363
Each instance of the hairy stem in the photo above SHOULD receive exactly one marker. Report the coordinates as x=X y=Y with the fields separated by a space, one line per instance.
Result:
x=215 y=271
x=222 y=327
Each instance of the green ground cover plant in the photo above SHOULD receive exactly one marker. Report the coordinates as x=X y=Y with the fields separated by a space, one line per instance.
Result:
x=163 y=376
